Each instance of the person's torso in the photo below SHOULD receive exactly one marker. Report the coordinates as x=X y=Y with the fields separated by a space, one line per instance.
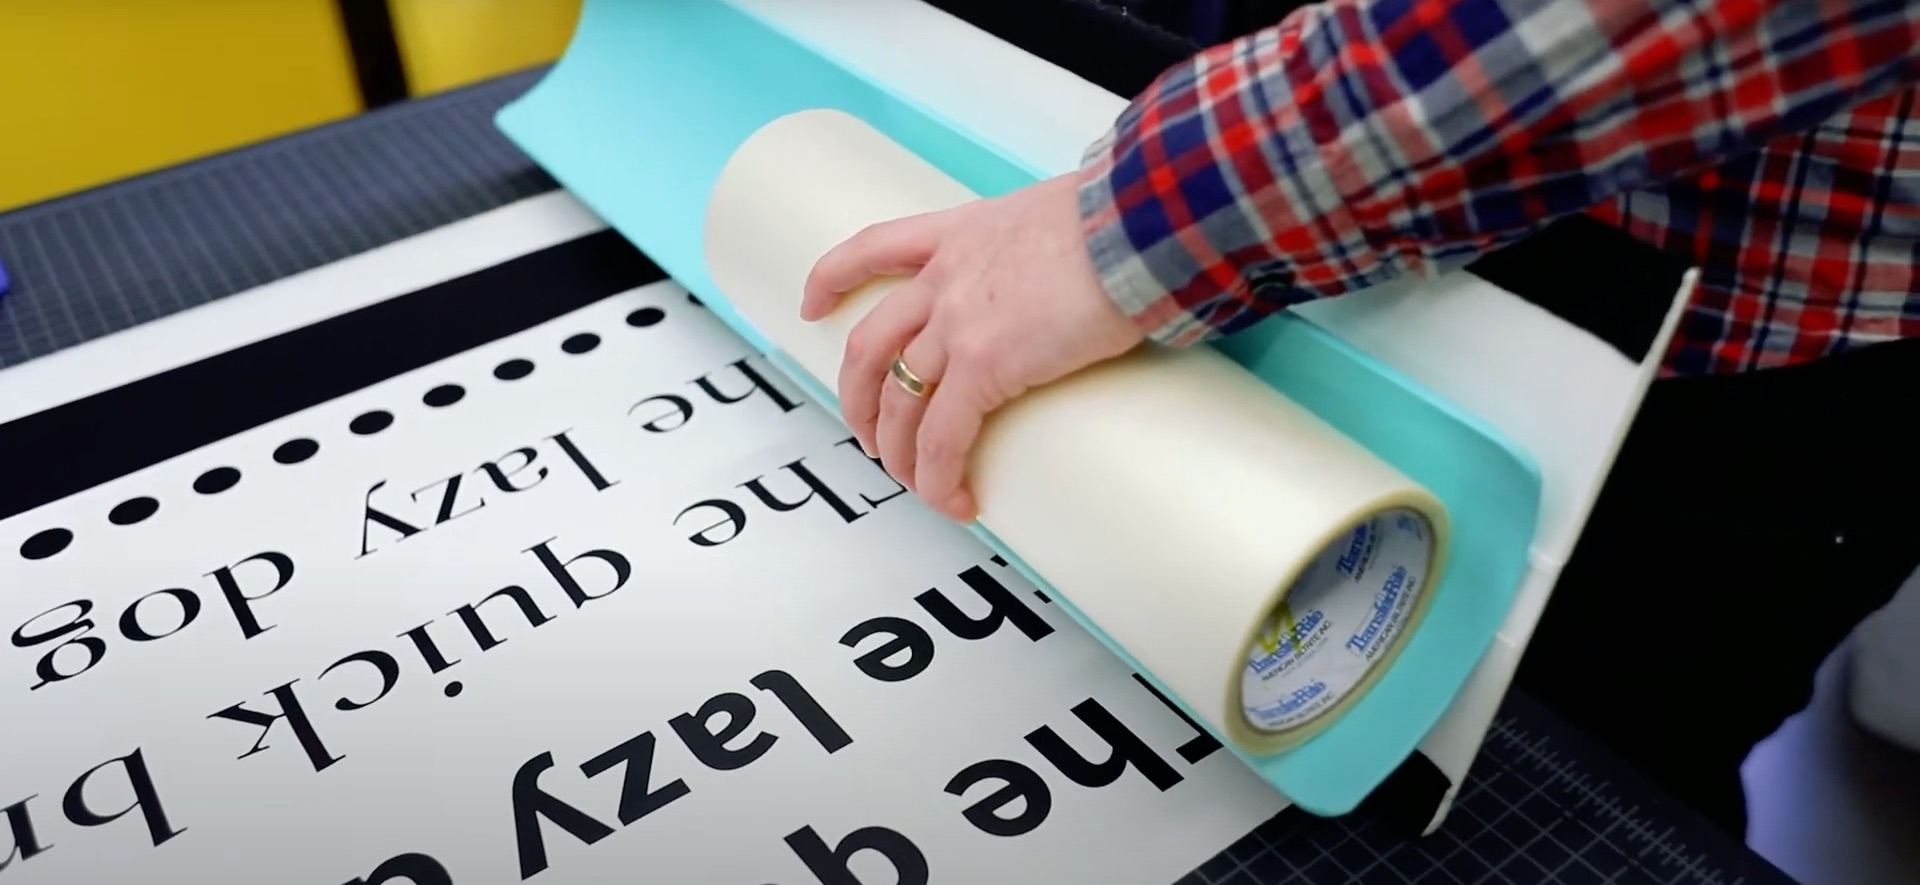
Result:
x=1807 y=248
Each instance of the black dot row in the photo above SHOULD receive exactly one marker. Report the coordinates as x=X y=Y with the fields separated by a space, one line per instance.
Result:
x=49 y=542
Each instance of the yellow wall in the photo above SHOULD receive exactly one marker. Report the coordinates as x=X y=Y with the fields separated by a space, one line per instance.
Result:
x=449 y=43
x=96 y=90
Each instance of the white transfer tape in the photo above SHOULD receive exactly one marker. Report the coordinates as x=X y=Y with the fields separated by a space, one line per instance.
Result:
x=1266 y=493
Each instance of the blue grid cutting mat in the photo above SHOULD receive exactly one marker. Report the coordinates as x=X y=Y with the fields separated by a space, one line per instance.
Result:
x=1542 y=805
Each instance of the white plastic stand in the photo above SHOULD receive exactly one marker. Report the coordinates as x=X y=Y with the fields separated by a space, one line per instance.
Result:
x=1560 y=392
x=1883 y=688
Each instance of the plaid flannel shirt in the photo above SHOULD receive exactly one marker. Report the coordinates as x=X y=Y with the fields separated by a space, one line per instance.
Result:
x=1774 y=143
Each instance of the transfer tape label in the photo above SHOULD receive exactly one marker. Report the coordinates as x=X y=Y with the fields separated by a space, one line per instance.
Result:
x=1348 y=610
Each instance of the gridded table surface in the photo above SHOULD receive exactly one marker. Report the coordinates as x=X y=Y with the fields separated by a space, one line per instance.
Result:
x=1542 y=804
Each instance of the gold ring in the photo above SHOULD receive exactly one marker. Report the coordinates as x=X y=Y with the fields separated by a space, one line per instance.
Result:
x=909 y=381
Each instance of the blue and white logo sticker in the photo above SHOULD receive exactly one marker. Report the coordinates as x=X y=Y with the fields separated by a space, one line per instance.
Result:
x=1348 y=610
x=1286 y=641
x=1354 y=560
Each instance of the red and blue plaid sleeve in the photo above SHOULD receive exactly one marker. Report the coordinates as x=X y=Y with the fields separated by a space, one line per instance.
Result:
x=1363 y=140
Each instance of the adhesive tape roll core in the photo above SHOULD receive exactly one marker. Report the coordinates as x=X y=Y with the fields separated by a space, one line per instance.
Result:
x=1337 y=628
x=1260 y=565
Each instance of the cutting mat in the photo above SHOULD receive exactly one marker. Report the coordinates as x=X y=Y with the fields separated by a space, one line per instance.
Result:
x=1542 y=806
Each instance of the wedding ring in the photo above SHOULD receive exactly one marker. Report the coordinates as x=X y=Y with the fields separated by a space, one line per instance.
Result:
x=909 y=381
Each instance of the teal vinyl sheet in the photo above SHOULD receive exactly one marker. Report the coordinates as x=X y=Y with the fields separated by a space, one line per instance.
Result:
x=650 y=100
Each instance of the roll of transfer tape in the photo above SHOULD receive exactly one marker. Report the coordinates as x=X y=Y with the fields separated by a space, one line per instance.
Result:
x=1260 y=565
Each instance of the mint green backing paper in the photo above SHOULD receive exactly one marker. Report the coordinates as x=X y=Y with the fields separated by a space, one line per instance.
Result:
x=653 y=96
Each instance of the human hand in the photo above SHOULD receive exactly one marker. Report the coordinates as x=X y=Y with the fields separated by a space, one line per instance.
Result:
x=1003 y=298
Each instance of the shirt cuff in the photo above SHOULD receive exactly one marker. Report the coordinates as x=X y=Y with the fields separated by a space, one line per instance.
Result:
x=1181 y=283
x=1141 y=283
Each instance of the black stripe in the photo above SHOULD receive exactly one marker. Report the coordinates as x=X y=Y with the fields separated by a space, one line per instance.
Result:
x=377 y=63
x=70 y=448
